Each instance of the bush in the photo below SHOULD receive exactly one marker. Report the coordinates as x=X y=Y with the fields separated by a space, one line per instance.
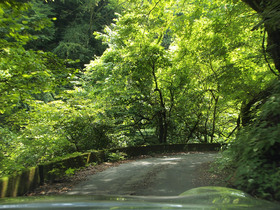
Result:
x=255 y=154
x=35 y=139
x=86 y=134
x=115 y=157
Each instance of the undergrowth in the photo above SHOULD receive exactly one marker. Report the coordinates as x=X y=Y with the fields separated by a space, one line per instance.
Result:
x=254 y=156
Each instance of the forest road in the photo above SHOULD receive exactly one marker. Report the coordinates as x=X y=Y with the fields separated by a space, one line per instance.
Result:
x=157 y=176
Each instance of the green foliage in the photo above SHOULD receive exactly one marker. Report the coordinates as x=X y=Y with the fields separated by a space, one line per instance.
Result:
x=182 y=88
x=55 y=171
x=13 y=30
x=26 y=74
x=28 y=81
x=23 y=21
x=8 y=145
x=37 y=140
x=38 y=116
x=117 y=156
x=86 y=134
x=74 y=23
x=70 y=171
x=255 y=152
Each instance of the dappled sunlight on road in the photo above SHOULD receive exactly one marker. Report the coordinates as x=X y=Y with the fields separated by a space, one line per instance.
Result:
x=157 y=176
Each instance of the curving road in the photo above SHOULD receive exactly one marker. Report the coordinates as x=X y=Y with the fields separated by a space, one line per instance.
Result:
x=159 y=176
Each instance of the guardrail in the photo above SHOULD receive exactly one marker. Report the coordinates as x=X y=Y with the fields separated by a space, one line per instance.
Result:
x=20 y=183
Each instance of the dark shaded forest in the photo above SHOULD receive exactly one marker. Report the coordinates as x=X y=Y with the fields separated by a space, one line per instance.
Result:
x=81 y=75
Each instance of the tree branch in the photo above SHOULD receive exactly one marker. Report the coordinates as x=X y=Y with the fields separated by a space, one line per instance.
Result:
x=265 y=57
x=153 y=7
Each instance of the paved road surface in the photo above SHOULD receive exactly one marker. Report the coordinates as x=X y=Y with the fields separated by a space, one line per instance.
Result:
x=159 y=176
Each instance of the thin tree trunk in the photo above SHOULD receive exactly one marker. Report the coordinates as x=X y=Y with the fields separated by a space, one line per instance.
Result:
x=194 y=128
x=162 y=121
x=216 y=99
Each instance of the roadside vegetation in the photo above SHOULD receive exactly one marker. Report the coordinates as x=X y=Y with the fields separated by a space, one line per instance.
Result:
x=96 y=74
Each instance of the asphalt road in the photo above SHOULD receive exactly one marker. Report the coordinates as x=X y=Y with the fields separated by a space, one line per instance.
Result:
x=158 y=176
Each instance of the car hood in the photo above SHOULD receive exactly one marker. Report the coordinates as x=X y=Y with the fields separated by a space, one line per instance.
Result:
x=197 y=198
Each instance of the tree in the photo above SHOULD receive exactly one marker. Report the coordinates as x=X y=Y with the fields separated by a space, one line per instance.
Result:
x=28 y=80
x=133 y=69
x=191 y=64
x=71 y=36
x=214 y=44
x=254 y=155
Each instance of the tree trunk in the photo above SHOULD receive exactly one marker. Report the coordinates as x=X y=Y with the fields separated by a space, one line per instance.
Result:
x=162 y=120
x=194 y=128
x=216 y=99
x=205 y=133
x=162 y=124
x=270 y=12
